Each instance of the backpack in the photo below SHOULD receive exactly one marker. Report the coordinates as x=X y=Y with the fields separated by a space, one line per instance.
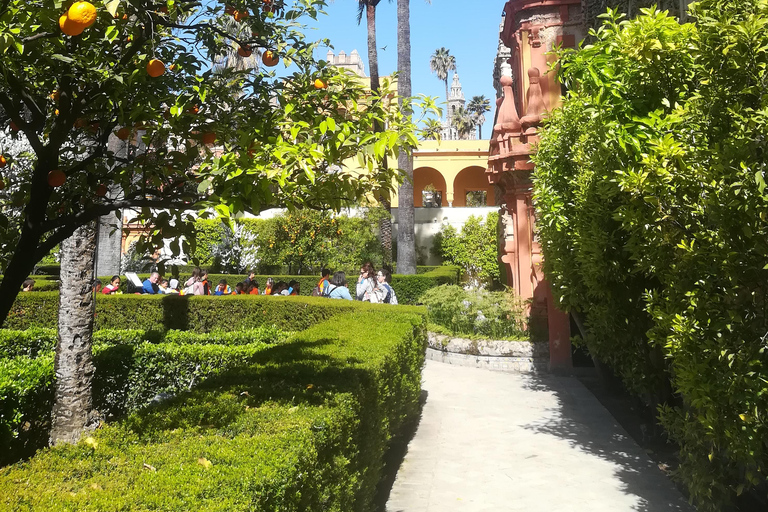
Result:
x=330 y=289
x=390 y=298
x=316 y=292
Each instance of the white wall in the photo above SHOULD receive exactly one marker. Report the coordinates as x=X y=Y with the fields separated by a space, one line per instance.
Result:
x=429 y=222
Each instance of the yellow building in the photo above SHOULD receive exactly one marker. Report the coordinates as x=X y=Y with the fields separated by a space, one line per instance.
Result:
x=456 y=168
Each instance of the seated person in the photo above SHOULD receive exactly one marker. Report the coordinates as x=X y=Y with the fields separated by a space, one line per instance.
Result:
x=97 y=284
x=223 y=288
x=253 y=288
x=239 y=289
x=279 y=288
x=150 y=284
x=113 y=286
x=324 y=282
x=27 y=285
x=384 y=292
x=269 y=286
x=173 y=286
x=338 y=288
x=294 y=288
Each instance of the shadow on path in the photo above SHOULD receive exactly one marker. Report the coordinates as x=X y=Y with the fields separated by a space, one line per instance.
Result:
x=586 y=425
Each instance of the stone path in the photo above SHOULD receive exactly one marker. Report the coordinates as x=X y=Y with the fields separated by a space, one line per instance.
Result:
x=491 y=441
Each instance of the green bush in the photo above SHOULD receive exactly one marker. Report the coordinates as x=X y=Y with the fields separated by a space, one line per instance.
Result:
x=131 y=368
x=304 y=427
x=495 y=315
x=26 y=397
x=475 y=249
x=651 y=207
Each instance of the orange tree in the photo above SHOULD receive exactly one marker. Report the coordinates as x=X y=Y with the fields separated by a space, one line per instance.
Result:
x=125 y=104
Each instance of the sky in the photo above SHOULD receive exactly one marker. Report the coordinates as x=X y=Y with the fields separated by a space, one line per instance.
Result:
x=469 y=29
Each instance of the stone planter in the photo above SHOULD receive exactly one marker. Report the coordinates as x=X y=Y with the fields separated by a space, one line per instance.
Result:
x=499 y=355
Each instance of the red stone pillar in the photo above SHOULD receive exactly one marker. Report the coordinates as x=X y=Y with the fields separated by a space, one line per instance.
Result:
x=559 y=325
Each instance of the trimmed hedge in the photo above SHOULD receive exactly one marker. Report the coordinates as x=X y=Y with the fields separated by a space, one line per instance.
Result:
x=191 y=313
x=304 y=427
x=130 y=371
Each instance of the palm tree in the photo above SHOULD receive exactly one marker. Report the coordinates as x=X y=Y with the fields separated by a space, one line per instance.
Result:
x=477 y=107
x=463 y=120
x=432 y=129
x=368 y=7
x=440 y=63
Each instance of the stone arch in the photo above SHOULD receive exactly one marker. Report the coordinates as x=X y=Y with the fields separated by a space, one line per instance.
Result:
x=470 y=179
x=422 y=177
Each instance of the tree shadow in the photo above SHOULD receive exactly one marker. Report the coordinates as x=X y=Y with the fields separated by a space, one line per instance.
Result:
x=585 y=424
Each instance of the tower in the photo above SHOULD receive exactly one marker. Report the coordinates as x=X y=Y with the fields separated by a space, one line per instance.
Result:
x=455 y=101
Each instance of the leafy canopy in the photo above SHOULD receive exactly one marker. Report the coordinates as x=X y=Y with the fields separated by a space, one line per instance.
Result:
x=279 y=140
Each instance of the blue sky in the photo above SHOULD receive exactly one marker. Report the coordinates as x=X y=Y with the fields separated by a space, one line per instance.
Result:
x=469 y=29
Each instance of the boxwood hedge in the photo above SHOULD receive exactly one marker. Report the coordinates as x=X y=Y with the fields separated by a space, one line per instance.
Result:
x=187 y=313
x=130 y=371
x=303 y=426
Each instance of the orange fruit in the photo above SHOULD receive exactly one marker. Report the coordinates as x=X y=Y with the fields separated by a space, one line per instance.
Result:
x=82 y=14
x=56 y=178
x=69 y=27
x=125 y=16
x=194 y=110
x=241 y=15
x=55 y=95
x=229 y=10
x=155 y=68
x=270 y=58
x=320 y=83
x=244 y=51
x=209 y=138
x=3 y=161
x=101 y=190
x=123 y=133
x=56 y=112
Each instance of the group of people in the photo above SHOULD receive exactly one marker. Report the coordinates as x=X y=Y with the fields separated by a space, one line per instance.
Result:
x=372 y=286
x=200 y=284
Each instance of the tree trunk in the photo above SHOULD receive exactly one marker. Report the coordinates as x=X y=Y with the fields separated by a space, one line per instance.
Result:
x=385 y=225
x=74 y=366
x=406 y=236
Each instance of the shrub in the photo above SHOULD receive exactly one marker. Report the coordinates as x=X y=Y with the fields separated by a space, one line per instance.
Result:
x=651 y=207
x=26 y=397
x=130 y=371
x=304 y=427
x=475 y=249
x=494 y=315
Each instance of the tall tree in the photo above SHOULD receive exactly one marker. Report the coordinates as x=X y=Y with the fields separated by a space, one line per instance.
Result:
x=431 y=129
x=441 y=63
x=368 y=7
x=477 y=107
x=406 y=233
x=463 y=121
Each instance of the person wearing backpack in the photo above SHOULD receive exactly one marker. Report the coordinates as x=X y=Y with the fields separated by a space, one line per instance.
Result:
x=322 y=286
x=338 y=287
x=384 y=291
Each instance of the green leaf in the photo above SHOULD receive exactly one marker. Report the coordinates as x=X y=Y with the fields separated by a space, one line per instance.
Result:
x=112 y=6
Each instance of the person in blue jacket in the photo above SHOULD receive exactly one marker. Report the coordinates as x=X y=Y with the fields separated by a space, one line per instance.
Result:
x=338 y=288
x=150 y=284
